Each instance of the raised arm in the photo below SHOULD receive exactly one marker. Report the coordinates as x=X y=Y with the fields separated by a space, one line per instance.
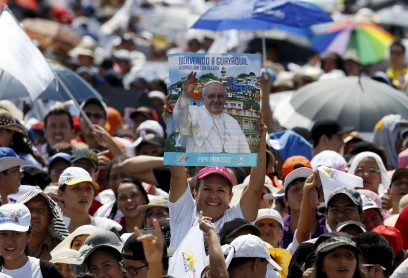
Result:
x=178 y=183
x=181 y=109
x=103 y=138
x=141 y=167
x=266 y=88
x=250 y=199
x=153 y=248
x=217 y=264
x=307 y=211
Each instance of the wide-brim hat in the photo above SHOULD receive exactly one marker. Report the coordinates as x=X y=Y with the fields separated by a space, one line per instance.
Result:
x=7 y=121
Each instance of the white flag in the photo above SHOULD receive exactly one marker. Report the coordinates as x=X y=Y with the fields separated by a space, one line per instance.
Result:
x=20 y=58
x=189 y=258
x=332 y=179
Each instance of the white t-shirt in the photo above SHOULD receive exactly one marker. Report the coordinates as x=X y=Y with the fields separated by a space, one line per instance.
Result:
x=106 y=209
x=183 y=214
x=30 y=269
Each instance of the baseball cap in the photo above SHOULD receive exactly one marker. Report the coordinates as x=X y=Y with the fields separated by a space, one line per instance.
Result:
x=329 y=128
x=75 y=175
x=97 y=240
x=214 y=170
x=249 y=246
x=152 y=126
x=369 y=203
x=157 y=94
x=59 y=157
x=351 y=223
x=352 y=194
x=150 y=138
x=302 y=172
x=87 y=154
x=294 y=162
x=14 y=217
x=338 y=240
x=9 y=159
x=269 y=214
x=398 y=173
x=97 y=101
x=392 y=235
x=148 y=112
x=231 y=228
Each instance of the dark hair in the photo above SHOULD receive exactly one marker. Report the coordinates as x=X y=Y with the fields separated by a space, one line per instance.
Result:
x=58 y=112
x=239 y=173
x=115 y=161
x=398 y=43
x=139 y=186
x=108 y=250
x=375 y=249
x=320 y=259
x=22 y=145
x=292 y=183
x=337 y=57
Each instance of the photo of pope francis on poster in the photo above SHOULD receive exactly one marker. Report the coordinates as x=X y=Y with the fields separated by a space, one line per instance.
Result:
x=213 y=104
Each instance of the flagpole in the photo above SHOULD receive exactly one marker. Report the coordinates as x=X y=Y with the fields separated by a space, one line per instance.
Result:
x=71 y=96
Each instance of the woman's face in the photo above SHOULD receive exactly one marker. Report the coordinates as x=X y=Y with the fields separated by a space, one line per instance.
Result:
x=339 y=263
x=103 y=264
x=77 y=198
x=6 y=137
x=12 y=246
x=129 y=198
x=369 y=171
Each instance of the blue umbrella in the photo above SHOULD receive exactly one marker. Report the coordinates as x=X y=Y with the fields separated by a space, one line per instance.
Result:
x=291 y=13
x=238 y=15
x=11 y=88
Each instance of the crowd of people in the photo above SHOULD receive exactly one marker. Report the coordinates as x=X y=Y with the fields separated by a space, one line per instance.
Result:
x=81 y=200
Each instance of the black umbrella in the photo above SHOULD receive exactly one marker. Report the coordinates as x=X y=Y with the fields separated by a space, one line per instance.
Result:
x=353 y=101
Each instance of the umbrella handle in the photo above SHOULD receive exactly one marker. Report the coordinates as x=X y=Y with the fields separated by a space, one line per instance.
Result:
x=68 y=91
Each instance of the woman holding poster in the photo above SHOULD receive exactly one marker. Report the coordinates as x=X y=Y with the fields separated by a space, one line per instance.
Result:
x=208 y=128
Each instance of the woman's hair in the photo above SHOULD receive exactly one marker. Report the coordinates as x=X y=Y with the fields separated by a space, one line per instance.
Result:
x=107 y=250
x=320 y=259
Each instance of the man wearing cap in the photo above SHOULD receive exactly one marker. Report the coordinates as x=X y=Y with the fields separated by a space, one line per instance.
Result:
x=86 y=159
x=235 y=228
x=213 y=193
x=328 y=135
x=10 y=173
x=270 y=222
x=57 y=164
x=398 y=188
x=208 y=128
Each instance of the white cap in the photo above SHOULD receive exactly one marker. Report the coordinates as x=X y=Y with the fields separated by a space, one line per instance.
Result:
x=14 y=217
x=150 y=125
x=157 y=94
x=269 y=214
x=369 y=203
x=75 y=175
x=302 y=172
x=249 y=246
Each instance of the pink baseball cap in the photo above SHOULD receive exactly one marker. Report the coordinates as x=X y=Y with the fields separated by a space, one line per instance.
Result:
x=216 y=170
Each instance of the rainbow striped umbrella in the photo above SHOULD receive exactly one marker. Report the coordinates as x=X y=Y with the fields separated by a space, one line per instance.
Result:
x=369 y=40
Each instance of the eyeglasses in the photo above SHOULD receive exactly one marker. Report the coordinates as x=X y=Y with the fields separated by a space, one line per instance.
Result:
x=213 y=96
x=96 y=116
x=370 y=265
x=131 y=269
x=371 y=171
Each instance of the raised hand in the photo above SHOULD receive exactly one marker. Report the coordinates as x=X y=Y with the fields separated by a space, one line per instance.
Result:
x=190 y=84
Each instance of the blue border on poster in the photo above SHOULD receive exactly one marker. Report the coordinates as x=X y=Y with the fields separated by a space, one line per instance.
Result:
x=211 y=159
